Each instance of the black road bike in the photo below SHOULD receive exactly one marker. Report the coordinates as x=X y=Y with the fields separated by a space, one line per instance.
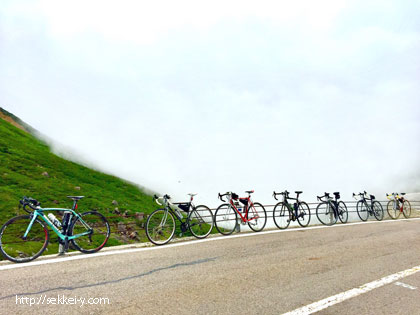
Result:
x=160 y=224
x=330 y=209
x=368 y=206
x=284 y=212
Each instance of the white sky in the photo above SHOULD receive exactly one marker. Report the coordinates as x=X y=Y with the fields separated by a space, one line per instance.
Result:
x=185 y=96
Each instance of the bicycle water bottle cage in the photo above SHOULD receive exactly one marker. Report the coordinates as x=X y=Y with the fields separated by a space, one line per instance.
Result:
x=244 y=201
x=235 y=196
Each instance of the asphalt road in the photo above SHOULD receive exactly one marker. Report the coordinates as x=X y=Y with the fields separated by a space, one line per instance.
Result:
x=268 y=273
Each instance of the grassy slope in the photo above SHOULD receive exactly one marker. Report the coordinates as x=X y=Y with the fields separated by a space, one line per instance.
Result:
x=23 y=159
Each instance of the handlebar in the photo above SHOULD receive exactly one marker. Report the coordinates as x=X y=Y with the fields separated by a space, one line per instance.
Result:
x=165 y=197
x=326 y=195
x=395 y=195
x=30 y=202
x=284 y=193
x=222 y=195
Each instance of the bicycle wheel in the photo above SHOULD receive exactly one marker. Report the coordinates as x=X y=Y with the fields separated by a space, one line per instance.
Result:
x=97 y=227
x=325 y=213
x=362 y=211
x=160 y=226
x=257 y=217
x=406 y=209
x=200 y=221
x=225 y=219
x=18 y=249
x=378 y=210
x=304 y=214
x=281 y=216
x=393 y=209
x=343 y=213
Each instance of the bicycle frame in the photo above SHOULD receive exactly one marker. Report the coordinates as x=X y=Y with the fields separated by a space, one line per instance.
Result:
x=334 y=205
x=40 y=213
x=167 y=206
x=249 y=204
x=398 y=202
x=293 y=211
x=369 y=207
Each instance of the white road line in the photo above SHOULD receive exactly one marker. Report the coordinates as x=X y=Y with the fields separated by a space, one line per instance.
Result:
x=338 y=298
x=404 y=285
x=220 y=238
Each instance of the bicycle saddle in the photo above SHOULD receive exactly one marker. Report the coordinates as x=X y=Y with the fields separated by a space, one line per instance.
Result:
x=191 y=194
x=336 y=193
x=298 y=192
x=249 y=191
x=402 y=194
x=75 y=197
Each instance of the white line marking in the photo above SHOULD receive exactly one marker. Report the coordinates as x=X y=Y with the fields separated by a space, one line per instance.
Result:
x=220 y=238
x=404 y=285
x=338 y=298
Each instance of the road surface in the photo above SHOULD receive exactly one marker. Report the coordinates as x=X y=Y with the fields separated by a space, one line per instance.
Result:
x=261 y=273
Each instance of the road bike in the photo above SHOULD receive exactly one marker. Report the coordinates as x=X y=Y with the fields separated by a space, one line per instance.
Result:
x=161 y=226
x=330 y=209
x=24 y=238
x=251 y=213
x=365 y=208
x=284 y=212
x=397 y=205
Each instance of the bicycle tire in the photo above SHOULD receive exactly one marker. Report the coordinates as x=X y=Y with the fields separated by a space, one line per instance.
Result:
x=155 y=232
x=343 y=213
x=406 y=209
x=16 y=249
x=225 y=219
x=362 y=211
x=200 y=221
x=281 y=216
x=303 y=211
x=99 y=232
x=325 y=214
x=394 y=213
x=258 y=224
x=378 y=211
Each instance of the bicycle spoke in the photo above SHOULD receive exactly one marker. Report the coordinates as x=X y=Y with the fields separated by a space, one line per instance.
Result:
x=257 y=217
x=19 y=249
x=160 y=227
x=200 y=221
x=225 y=219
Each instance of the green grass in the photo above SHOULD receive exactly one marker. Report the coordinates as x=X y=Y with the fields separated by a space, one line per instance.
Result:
x=23 y=160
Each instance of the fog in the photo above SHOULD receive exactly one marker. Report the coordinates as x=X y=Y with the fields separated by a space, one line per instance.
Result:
x=225 y=96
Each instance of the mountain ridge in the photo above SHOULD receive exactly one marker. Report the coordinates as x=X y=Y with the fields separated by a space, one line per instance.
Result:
x=28 y=167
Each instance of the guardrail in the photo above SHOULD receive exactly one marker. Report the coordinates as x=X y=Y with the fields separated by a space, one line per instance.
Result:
x=124 y=230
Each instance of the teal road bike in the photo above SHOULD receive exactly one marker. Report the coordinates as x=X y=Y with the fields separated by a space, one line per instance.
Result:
x=24 y=238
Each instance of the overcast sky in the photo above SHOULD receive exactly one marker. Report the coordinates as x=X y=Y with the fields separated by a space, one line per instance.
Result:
x=185 y=96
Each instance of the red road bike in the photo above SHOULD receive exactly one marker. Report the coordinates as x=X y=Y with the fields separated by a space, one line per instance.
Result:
x=226 y=215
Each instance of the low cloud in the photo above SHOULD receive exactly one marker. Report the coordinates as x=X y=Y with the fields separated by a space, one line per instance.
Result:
x=247 y=96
